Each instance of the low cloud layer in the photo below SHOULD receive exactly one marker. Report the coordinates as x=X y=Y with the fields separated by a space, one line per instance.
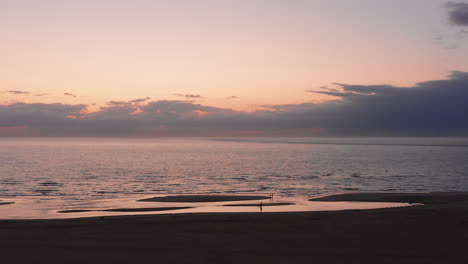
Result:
x=431 y=108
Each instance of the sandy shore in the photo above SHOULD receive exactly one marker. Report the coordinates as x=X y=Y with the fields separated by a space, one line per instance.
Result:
x=434 y=233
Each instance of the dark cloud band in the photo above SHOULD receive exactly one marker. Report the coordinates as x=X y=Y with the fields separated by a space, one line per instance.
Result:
x=431 y=108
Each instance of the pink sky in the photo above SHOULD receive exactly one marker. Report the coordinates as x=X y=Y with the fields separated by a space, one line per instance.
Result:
x=262 y=52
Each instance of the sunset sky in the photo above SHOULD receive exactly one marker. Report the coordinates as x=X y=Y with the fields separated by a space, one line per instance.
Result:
x=229 y=65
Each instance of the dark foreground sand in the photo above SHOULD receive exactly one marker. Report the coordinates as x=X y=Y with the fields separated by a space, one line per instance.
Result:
x=434 y=233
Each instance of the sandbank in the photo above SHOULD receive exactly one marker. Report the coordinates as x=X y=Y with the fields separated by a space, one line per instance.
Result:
x=258 y=204
x=153 y=209
x=203 y=198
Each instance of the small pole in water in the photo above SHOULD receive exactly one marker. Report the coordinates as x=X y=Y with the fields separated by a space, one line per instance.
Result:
x=261 y=207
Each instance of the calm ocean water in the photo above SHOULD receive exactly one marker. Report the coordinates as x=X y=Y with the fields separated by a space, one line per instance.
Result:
x=85 y=169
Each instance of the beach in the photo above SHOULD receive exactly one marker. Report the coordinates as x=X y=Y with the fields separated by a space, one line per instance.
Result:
x=432 y=233
x=234 y=131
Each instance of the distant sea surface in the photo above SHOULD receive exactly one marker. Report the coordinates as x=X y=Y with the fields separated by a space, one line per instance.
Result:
x=86 y=169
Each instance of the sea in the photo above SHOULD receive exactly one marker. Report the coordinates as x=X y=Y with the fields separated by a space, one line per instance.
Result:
x=85 y=170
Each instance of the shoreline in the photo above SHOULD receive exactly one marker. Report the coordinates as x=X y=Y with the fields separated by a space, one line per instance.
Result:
x=179 y=204
x=432 y=233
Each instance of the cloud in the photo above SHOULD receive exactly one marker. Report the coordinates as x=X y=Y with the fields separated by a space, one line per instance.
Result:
x=428 y=108
x=41 y=119
x=18 y=92
x=157 y=118
x=462 y=34
x=131 y=103
x=431 y=108
x=141 y=100
x=118 y=103
x=458 y=13
x=232 y=97
x=41 y=94
x=188 y=96
x=458 y=18
x=69 y=94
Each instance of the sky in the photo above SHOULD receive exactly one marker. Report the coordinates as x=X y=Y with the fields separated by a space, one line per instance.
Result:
x=233 y=68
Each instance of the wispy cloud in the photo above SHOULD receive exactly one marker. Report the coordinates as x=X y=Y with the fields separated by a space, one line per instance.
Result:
x=69 y=94
x=232 y=97
x=141 y=100
x=18 y=92
x=188 y=96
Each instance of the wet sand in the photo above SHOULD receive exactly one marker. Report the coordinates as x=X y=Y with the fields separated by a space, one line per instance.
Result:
x=129 y=210
x=434 y=233
x=203 y=198
x=260 y=204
